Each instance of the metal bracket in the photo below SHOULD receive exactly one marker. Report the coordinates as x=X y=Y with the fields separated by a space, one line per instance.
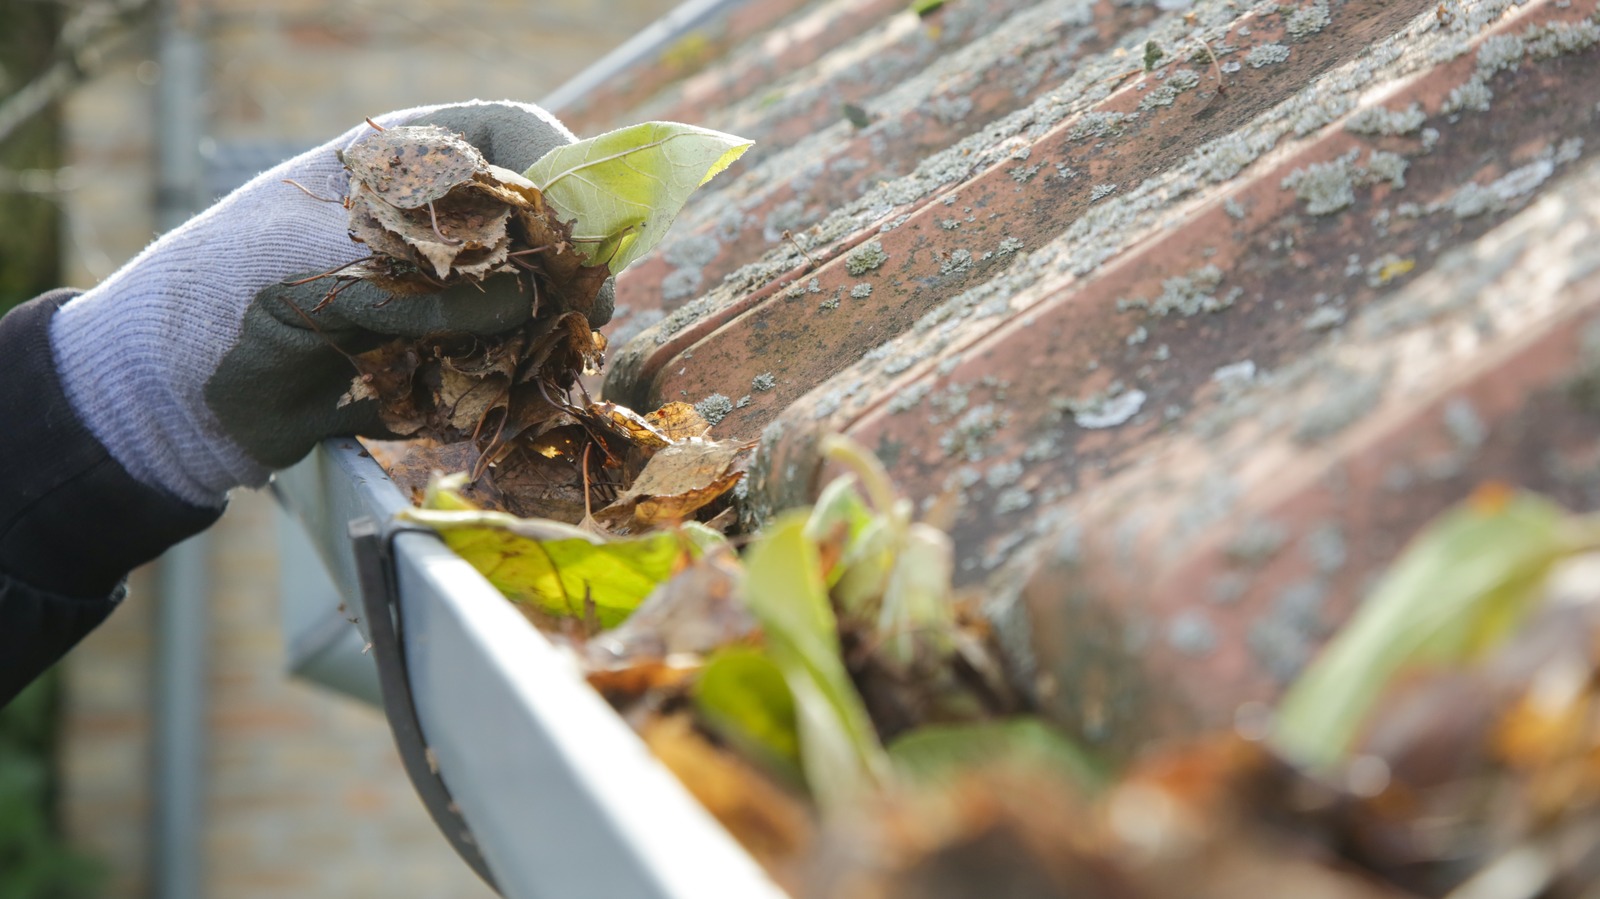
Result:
x=380 y=602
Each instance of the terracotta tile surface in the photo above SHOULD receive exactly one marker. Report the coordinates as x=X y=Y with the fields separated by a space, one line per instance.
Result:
x=1198 y=345
x=804 y=180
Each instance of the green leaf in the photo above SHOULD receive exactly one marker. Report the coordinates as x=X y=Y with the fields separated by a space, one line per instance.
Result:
x=897 y=568
x=622 y=190
x=704 y=537
x=561 y=569
x=741 y=694
x=1459 y=589
x=918 y=612
x=839 y=751
x=839 y=508
x=864 y=570
x=940 y=751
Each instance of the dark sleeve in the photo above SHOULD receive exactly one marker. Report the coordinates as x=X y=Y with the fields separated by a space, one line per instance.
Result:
x=73 y=522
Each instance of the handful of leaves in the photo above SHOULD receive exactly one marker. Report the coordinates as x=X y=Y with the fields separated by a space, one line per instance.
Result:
x=435 y=213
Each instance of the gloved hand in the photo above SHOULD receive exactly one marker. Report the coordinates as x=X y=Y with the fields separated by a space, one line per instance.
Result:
x=194 y=373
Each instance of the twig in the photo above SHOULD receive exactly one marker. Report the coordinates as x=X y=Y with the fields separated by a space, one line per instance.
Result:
x=434 y=218
x=790 y=238
x=330 y=272
x=318 y=331
x=1216 y=67
x=588 y=510
x=308 y=192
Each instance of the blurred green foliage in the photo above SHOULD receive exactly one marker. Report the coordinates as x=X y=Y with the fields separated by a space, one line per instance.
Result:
x=30 y=223
x=35 y=863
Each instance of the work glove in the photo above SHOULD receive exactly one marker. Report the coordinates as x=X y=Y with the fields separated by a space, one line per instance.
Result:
x=201 y=366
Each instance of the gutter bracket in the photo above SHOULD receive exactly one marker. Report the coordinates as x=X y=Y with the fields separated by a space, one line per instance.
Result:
x=374 y=556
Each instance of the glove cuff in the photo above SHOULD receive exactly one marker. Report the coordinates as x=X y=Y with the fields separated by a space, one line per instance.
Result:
x=134 y=383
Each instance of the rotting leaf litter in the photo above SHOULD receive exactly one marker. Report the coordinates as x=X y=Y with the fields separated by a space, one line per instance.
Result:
x=434 y=213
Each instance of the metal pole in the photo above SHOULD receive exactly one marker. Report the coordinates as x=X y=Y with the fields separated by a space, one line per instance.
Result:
x=183 y=584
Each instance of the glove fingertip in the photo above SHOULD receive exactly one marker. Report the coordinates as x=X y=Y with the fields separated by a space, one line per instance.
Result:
x=510 y=134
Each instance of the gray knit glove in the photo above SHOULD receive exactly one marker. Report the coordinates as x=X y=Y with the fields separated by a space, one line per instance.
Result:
x=197 y=376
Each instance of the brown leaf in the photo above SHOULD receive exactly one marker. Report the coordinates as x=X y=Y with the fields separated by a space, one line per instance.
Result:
x=687 y=466
x=679 y=421
x=680 y=507
x=630 y=425
x=536 y=486
x=506 y=186
x=678 y=481
x=412 y=463
x=367 y=227
x=773 y=825
x=465 y=400
x=386 y=374
x=463 y=234
x=696 y=611
x=562 y=267
x=433 y=213
x=625 y=685
x=558 y=350
x=411 y=166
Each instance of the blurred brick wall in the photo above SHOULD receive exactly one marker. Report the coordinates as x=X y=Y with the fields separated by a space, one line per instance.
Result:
x=305 y=796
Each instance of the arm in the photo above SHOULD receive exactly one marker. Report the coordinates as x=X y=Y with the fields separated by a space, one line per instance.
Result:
x=73 y=522
x=128 y=412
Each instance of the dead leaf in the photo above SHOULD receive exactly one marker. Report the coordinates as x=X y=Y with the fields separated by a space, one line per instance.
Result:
x=434 y=213
x=679 y=421
x=386 y=374
x=412 y=166
x=770 y=823
x=460 y=235
x=411 y=464
x=624 y=685
x=537 y=486
x=696 y=611
x=465 y=400
x=658 y=510
x=678 y=481
x=636 y=428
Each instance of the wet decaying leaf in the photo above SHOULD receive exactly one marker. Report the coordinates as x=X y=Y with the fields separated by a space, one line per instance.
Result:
x=695 y=612
x=679 y=480
x=410 y=167
x=771 y=823
x=535 y=485
x=435 y=213
x=413 y=464
x=558 y=568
